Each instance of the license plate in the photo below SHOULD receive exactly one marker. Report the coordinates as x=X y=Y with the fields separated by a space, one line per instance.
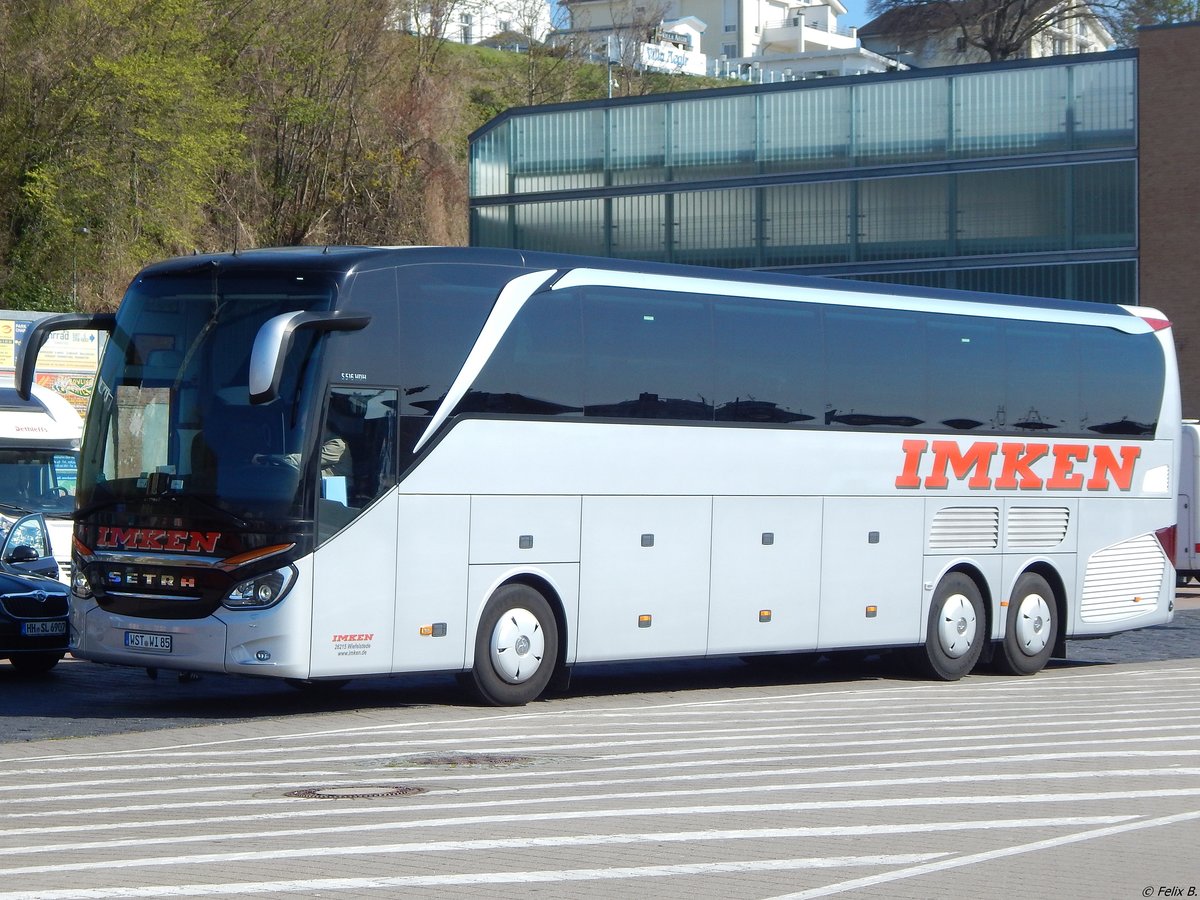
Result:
x=35 y=629
x=148 y=641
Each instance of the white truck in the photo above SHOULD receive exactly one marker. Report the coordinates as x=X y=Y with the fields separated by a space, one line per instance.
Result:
x=39 y=455
x=1187 y=535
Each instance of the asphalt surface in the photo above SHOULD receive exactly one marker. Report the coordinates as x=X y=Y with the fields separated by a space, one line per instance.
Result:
x=1077 y=784
x=79 y=699
x=672 y=781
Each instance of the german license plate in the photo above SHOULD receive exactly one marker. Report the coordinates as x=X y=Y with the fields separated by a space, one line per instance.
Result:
x=41 y=629
x=148 y=641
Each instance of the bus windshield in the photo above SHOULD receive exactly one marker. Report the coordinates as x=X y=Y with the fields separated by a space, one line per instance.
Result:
x=38 y=480
x=171 y=411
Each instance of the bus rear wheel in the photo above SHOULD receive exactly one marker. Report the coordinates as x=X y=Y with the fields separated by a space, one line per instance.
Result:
x=1031 y=628
x=956 y=632
x=516 y=647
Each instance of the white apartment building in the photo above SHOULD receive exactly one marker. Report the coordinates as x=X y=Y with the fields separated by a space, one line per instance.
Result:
x=766 y=40
x=933 y=37
x=474 y=21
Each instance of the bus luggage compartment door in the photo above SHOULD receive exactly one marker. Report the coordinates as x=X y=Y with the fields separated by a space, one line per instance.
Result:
x=871 y=562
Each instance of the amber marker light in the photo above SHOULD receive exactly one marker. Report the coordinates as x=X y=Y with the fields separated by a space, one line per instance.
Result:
x=236 y=562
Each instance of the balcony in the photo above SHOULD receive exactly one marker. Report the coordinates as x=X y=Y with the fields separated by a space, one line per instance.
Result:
x=796 y=34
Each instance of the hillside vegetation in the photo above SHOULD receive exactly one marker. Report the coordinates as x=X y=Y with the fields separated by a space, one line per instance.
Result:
x=131 y=130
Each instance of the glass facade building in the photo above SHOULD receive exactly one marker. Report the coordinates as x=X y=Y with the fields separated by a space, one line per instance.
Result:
x=1016 y=177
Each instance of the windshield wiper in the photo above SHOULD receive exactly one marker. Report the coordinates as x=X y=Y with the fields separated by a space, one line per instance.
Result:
x=209 y=505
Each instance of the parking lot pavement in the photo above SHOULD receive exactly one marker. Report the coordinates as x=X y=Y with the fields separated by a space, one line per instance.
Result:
x=1083 y=781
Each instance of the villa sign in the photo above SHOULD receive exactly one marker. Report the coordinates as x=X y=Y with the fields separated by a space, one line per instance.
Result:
x=669 y=58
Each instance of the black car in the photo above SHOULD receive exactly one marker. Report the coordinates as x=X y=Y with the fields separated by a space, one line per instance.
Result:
x=33 y=620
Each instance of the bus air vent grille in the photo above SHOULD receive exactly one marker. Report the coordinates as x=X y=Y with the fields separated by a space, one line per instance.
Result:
x=1037 y=527
x=1123 y=581
x=965 y=528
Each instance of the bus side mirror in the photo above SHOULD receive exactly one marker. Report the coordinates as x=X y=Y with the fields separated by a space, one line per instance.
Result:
x=36 y=336
x=274 y=341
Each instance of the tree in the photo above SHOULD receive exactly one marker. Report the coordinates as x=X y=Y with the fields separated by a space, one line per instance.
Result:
x=1001 y=29
x=131 y=130
x=1138 y=14
x=111 y=120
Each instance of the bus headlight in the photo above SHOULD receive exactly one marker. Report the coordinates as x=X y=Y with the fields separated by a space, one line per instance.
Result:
x=261 y=591
x=80 y=586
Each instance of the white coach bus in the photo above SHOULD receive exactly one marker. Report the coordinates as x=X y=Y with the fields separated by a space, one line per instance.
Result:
x=321 y=463
x=39 y=454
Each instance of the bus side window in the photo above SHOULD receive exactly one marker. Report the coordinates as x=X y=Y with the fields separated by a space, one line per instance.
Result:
x=357 y=454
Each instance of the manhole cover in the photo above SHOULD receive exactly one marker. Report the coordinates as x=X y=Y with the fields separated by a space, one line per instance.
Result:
x=357 y=792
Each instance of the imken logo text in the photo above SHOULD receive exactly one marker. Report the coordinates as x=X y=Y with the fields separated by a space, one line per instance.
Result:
x=1008 y=466
x=155 y=539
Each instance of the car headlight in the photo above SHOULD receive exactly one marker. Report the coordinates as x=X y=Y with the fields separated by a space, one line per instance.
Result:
x=261 y=591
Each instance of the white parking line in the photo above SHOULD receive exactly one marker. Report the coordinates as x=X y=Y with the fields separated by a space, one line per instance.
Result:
x=987 y=856
x=312 y=885
x=559 y=841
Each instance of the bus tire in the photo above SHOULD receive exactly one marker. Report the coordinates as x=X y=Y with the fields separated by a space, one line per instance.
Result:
x=956 y=632
x=1030 y=629
x=516 y=647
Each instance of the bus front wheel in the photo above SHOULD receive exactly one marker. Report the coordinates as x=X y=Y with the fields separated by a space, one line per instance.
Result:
x=956 y=632
x=1031 y=628
x=516 y=647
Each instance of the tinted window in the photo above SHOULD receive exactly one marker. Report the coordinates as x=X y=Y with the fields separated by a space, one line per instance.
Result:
x=1123 y=379
x=963 y=356
x=647 y=356
x=356 y=456
x=1042 y=379
x=873 y=359
x=768 y=362
x=536 y=370
x=442 y=310
x=616 y=353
